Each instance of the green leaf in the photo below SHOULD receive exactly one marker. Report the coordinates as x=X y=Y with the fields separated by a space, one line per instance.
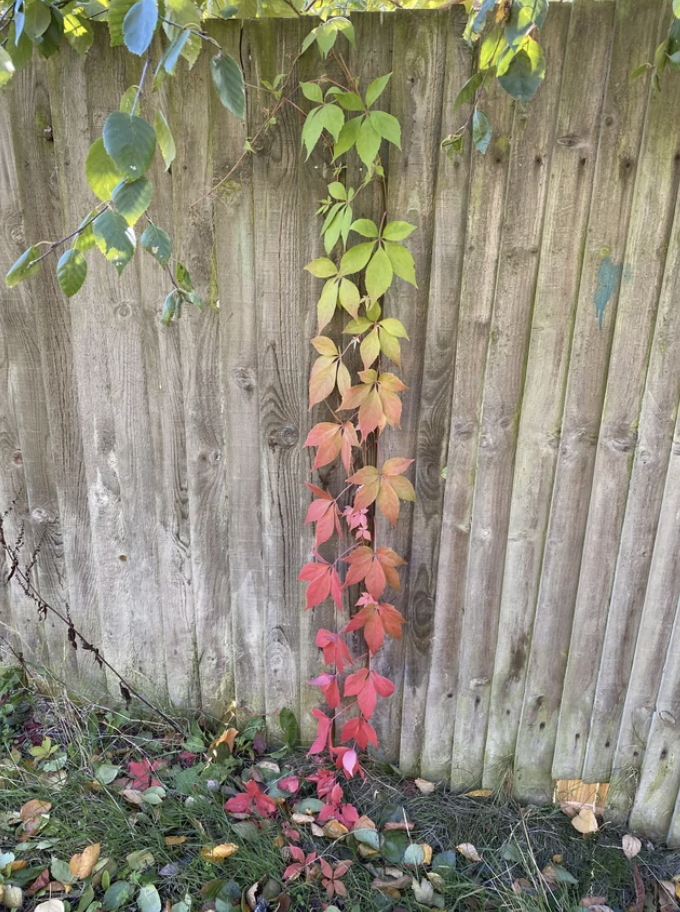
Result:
x=350 y=101
x=453 y=144
x=376 y=88
x=24 y=268
x=676 y=8
x=117 y=895
x=348 y=136
x=171 y=306
x=183 y=278
x=368 y=142
x=356 y=258
x=157 y=242
x=414 y=854
x=78 y=32
x=349 y=297
x=140 y=859
x=170 y=56
x=445 y=862
x=327 y=303
x=165 y=139
x=106 y=773
x=394 y=327
x=139 y=26
x=308 y=804
x=397 y=231
x=128 y=99
x=85 y=241
x=524 y=16
x=365 y=227
x=492 y=48
x=20 y=54
x=468 y=90
x=394 y=846
x=333 y=119
x=367 y=836
x=525 y=73
x=181 y=15
x=228 y=12
x=289 y=726
x=85 y=900
x=402 y=262
x=379 y=274
x=312 y=130
x=357 y=326
x=312 y=91
x=228 y=81
x=322 y=268
x=71 y=272
x=48 y=43
x=100 y=170
x=481 y=131
x=115 y=238
x=61 y=872
x=132 y=199
x=337 y=190
x=118 y=10
x=131 y=143
x=7 y=67
x=37 y=19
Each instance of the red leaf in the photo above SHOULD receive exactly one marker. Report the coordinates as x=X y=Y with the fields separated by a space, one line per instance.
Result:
x=346 y=759
x=365 y=685
x=335 y=650
x=253 y=800
x=323 y=732
x=329 y=685
x=377 y=620
x=360 y=730
x=323 y=581
x=141 y=773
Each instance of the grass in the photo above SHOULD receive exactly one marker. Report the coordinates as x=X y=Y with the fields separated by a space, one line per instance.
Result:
x=515 y=843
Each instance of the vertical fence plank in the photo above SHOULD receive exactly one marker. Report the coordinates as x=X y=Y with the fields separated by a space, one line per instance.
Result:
x=528 y=182
x=447 y=250
x=622 y=437
x=573 y=169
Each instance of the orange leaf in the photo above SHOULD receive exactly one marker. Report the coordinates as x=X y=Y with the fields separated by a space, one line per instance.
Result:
x=218 y=852
x=34 y=808
x=81 y=865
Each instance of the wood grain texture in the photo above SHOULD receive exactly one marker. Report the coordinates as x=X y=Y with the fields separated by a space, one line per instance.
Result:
x=573 y=169
x=622 y=439
x=528 y=183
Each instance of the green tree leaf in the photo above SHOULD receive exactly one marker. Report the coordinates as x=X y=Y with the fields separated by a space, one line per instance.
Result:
x=348 y=136
x=397 y=231
x=676 y=8
x=24 y=268
x=228 y=81
x=368 y=142
x=170 y=56
x=171 y=306
x=524 y=16
x=131 y=143
x=61 y=872
x=78 y=32
x=312 y=91
x=322 y=268
x=37 y=19
x=481 y=131
x=85 y=241
x=378 y=274
x=468 y=90
x=7 y=67
x=327 y=303
x=525 y=73
x=349 y=297
x=20 y=54
x=128 y=99
x=132 y=199
x=71 y=273
x=115 y=238
x=387 y=126
x=183 y=278
x=365 y=227
x=402 y=262
x=356 y=258
x=333 y=119
x=350 y=101
x=312 y=130
x=157 y=242
x=165 y=139
x=289 y=725
x=376 y=88
x=118 y=10
x=139 y=26
x=50 y=40
x=101 y=172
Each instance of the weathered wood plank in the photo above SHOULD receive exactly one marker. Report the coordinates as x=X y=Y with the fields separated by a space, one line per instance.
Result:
x=419 y=44
x=528 y=181
x=486 y=193
x=446 y=242
x=568 y=206
x=625 y=433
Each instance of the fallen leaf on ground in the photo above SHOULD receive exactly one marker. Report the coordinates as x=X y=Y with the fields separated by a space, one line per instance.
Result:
x=175 y=840
x=467 y=850
x=427 y=852
x=39 y=883
x=81 y=865
x=391 y=883
x=397 y=825
x=227 y=737
x=18 y=865
x=479 y=793
x=334 y=829
x=423 y=891
x=667 y=896
x=425 y=787
x=631 y=845
x=11 y=896
x=585 y=821
x=34 y=808
x=52 y=905
x=589 y=901
x=133 y=796
x=218 y=852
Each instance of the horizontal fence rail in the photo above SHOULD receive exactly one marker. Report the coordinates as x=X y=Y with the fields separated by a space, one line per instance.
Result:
x=160 y=471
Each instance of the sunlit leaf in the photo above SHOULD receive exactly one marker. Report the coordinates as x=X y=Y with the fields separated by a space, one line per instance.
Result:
x=132 y=199
x=71 y=272
x=24 y=267
x=130 y=141
x=115 y=238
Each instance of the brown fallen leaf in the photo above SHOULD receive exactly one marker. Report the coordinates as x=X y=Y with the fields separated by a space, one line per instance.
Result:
x=304 y=819
x=640 y=893
x=589 y=901
x=365 y=823
x=175 y=840
x=133 y=796
x=522 y=885
x=393 y=883
x=39 y=883
x=317 y=830
x=218 y=852
x=558 y=859
x=425 y=787
x=18 y=865
x=81 y=865
x=335 y=830
x=479 y=793
x=549 y=875
x=34 y=808
x=467 y=850
x=666 y=896
x=397 y=825
x=279 y=841
x=632 y=846
x=585 y=821
x=227 y=737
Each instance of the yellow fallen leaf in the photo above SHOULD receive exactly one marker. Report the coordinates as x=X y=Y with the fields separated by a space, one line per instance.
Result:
x=218 y=852
x=467 y=850
x=585 y=821
x=425 y=787
x=175 y=840
x=81 y=865
x=334 y=829
x=427 y=852
x=631 y=845
x=227 y=737
x=33 y=809
x=279 y=841
x=18 y=865
x=479 y=793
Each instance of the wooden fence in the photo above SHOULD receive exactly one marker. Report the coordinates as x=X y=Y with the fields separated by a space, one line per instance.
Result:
x=161 y=472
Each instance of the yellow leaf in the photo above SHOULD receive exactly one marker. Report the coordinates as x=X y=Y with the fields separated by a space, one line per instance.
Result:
x=18 y=865
x=81 y=865
x=479 y=793
x=425 y=787
x=227 y=737
x=631 y=845
x=175 y=840
x=585 y=821
x=334 y=829
x=33 y=809
x=427 y=852
x=467 y=850
x=218 y=852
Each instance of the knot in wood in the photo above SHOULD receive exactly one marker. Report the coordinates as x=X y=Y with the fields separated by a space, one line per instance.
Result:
x=123 y=310
x=17 y=458
x=285 y=437
x=40 y=516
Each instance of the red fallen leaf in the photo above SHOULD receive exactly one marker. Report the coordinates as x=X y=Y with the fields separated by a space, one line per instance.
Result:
x=141 y=772
x=335 y=650
x=332 y=439
x=324 y=512
x=302 y=862
x=336 y=809
x=324 y=779
x=377 y=400
x=289 y=784
x=188 y=757
x=377 y=620
x=291 y=834
x=253 y=800
x=365 y=685
x=378 y=568
x=39 y=883
x=323 y=732
x=360 y=730
x=346 y=759
x=387 y=487
x=329 y=686
x=323 y=581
